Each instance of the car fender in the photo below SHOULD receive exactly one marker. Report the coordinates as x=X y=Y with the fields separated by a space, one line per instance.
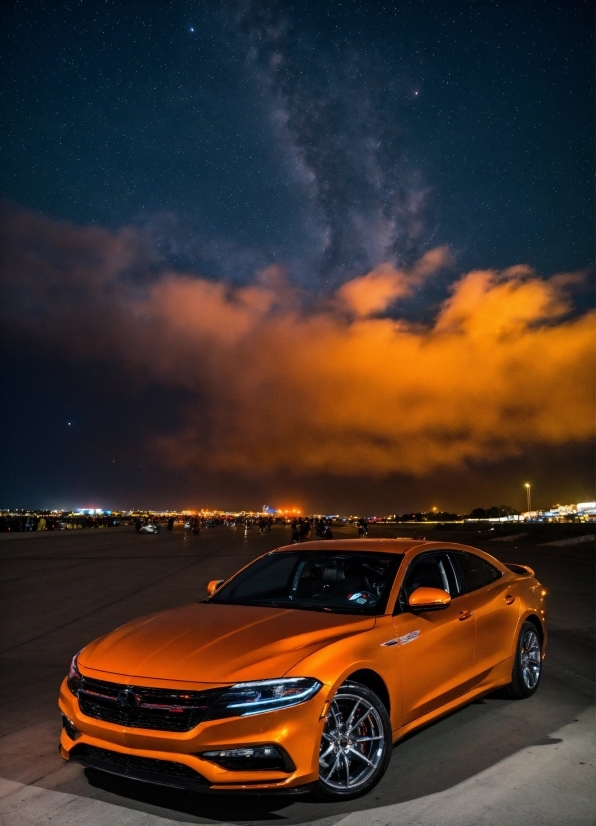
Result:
x=532 y=595
x=335 y=662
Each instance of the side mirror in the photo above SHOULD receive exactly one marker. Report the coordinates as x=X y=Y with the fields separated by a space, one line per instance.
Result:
x=429 y=599
x=214 y=585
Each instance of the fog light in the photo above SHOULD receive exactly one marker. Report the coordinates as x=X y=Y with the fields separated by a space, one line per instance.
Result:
x=251 y=758
x=70 y=728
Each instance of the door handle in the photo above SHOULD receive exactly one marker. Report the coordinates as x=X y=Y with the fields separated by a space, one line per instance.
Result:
x=509 y=599
x=464 y=615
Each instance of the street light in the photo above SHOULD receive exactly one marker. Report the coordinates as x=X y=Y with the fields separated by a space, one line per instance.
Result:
x=528 y=495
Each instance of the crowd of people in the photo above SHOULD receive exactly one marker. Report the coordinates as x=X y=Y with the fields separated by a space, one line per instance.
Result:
x=50 y=522
x=302 y=528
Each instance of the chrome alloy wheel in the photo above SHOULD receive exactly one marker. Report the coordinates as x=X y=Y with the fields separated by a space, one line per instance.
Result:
x=352 y=744
x=530 y=659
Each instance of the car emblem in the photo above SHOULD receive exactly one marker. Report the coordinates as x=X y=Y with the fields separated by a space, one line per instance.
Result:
x=127 y=700
x=413 y=635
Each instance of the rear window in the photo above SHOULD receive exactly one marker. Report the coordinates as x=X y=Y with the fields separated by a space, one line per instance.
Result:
x=475 y=571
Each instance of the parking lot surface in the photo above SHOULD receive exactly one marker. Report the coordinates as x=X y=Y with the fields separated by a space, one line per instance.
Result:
x=495 y=761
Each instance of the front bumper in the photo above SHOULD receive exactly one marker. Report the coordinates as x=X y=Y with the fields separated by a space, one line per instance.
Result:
x=297 y=730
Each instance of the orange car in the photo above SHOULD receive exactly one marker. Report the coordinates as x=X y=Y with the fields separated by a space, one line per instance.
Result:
x=302 y=670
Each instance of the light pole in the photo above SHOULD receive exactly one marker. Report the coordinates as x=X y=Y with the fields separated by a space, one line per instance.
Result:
x=528 y=495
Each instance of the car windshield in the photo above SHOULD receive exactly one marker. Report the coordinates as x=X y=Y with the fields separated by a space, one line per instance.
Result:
x=345 y=582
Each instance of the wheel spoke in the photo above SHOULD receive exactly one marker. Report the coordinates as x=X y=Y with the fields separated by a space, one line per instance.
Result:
x=347 y=762
x=325 y=753
x=361 y=720
x=529 y=677
x=359 y=754
x=333 y=768
x=366 y=739
x=351 y=714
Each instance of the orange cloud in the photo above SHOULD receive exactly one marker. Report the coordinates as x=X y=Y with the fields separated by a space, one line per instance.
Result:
x=499 y=371
x=503 y=367
x=375 y=292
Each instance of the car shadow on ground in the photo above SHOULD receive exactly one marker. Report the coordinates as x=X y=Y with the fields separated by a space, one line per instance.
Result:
x=434 y=759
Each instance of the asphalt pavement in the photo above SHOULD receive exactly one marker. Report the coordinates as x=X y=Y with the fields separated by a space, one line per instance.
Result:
x=496 y=761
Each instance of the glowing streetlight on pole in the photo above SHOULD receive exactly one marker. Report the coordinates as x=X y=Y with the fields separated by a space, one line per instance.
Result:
x=528 y=495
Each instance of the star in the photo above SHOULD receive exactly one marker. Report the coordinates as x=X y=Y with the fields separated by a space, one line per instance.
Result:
x=191 y=29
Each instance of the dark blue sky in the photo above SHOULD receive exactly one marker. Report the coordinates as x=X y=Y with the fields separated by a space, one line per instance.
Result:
x=329 y=136
x=324 y=137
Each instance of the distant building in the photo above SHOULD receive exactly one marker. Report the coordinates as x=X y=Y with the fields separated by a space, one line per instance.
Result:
x=560 y=513
x=587 y=508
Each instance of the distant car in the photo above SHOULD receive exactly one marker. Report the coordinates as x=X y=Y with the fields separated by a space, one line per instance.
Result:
x=302 y=670
x=150 y=528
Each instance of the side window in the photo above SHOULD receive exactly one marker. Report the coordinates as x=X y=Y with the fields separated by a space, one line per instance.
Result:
x=476 y=572
x=428 y=571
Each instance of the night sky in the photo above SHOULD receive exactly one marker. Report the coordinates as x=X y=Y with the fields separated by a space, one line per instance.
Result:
x=329 y=255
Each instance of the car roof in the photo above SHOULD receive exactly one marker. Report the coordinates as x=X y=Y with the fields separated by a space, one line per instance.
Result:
x=401 y=545
x=395 y=546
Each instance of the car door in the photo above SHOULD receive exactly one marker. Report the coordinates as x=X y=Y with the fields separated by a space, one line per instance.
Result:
x=495 y=606
x=436 y=647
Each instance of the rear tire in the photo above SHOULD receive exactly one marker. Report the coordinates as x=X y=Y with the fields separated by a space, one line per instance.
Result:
x=527 y=666
x=355 y=746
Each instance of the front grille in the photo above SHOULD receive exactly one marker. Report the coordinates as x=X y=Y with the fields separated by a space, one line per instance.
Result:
x=164 y=772
x=141 y=707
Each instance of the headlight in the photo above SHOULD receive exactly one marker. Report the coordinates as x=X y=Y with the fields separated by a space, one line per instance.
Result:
x=74 y=677
x=243 y=699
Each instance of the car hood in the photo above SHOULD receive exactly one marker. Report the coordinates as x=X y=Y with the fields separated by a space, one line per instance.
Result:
x=211 y=643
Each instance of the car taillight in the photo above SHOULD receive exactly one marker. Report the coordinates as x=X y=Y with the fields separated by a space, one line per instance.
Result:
x=74 y=677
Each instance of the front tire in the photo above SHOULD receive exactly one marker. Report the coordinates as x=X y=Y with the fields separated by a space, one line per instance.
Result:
x=355 y=746
x=527 y=667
